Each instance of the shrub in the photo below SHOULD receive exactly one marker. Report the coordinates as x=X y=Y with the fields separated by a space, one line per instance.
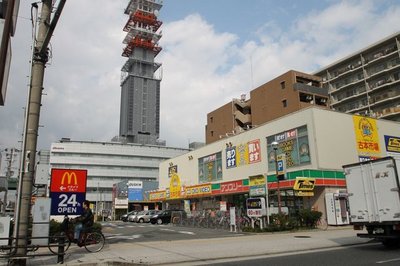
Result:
x=309 y=218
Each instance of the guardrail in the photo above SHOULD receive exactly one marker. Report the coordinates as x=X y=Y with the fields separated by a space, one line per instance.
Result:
x=10 y=251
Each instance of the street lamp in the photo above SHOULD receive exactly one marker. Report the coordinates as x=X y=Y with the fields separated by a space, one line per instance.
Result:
x=275 y=148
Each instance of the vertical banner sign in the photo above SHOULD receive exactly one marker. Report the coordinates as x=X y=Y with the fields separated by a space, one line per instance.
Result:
x=366 y=137
x=254 y=151
x=231 y=157
x=67 y=191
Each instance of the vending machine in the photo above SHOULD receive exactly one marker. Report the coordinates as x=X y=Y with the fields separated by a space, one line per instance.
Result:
x=337 y=211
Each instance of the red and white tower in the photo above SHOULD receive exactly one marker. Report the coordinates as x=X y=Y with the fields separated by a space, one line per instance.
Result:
x=140 y=88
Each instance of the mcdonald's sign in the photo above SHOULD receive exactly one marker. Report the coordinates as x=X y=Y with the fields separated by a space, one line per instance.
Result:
x=68 y=180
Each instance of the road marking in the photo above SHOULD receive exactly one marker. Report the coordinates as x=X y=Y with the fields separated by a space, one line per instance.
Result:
x=186 y=232
x=386 y=261
x=166 y=229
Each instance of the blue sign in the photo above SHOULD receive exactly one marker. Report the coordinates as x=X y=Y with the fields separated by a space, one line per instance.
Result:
x=135 y=194
x=392 y=144
x=67 y=203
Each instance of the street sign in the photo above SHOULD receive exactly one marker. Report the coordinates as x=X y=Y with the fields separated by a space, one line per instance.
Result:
x=67 y=191
x=281 y=169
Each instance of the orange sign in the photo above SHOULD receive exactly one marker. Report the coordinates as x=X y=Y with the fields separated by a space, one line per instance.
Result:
x=68 y=180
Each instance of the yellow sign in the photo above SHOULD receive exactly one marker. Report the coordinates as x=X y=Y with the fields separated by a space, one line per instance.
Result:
x=304 y=193
x=198 y=190
x=366 y=134
x=257 y=180
x=157 y=196
x=175 y=187
x=304 y=184
x=69 y=177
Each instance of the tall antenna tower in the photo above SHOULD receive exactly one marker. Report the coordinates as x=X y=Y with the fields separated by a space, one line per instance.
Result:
x=140 y=88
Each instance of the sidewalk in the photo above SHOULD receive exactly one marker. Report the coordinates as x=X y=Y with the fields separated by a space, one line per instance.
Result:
x=200 y=251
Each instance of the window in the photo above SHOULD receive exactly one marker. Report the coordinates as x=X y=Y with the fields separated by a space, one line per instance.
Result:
x=284 y=103
x=282 y=85
x=212 y=133
x=211 y=119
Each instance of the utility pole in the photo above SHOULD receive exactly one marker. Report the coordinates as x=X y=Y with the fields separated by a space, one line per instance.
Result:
x=39 y=60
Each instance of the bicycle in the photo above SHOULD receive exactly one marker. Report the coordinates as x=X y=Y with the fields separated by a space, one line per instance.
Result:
x=322 y=224
x=92 y=241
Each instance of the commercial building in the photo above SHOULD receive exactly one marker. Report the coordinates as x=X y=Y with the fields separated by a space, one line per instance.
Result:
x=313 y=143
x=140 y=86
x=290 y=92
x=108 y=163
x=367 y=81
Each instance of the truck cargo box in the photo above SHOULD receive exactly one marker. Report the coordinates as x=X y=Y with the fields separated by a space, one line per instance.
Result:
x=373 y=187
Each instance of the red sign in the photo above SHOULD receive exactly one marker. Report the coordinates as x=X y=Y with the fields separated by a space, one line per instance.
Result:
x=68 y=180
x=231 y=187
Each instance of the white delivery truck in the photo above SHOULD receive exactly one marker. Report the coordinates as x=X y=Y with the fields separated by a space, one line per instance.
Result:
x=374 y=198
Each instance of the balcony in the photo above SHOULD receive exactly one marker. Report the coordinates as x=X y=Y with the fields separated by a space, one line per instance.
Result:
x=301 y=87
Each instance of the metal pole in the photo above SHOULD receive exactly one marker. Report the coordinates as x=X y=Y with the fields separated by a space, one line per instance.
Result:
x=277 y=179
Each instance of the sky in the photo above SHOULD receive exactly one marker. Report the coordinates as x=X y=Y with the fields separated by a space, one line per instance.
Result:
x=213 y=51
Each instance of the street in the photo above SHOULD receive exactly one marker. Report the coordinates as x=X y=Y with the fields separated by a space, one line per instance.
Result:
x=364 y=254
x=116 y=232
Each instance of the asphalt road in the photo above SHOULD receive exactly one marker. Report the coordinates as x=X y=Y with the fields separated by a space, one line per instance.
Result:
x=367 y=254
x=116 y=232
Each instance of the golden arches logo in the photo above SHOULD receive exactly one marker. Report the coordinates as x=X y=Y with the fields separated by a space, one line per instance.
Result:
x=69 y=176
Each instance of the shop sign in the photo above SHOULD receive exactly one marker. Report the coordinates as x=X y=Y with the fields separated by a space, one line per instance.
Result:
x=367 y=137
x=121 y=203
x=304 y=193
x=198 y=190
x=67 y=191
x=257 y=191
x=222 y=206
x=175 y=187
x=257 y=180
x=157 y=196
x=256 y=207
x=231 y=187
x=304 y=184
x=392 y=144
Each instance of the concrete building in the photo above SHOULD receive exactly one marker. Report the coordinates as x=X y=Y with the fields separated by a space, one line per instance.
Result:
x=283 y=95
x=140 y=86
x=367 y=81
x=108 y=163
x=314 y=141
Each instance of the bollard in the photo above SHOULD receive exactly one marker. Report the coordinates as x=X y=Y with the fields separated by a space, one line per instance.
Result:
x=61 y=245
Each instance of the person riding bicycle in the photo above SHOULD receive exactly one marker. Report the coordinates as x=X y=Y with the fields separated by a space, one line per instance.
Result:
x=84 y=222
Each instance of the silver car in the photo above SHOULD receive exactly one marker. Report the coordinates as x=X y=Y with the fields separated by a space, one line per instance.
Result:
x=132 y=217
x=144 y=217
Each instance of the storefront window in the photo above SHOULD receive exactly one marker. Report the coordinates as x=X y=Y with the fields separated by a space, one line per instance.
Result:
x=293 y=144
x=210 y=168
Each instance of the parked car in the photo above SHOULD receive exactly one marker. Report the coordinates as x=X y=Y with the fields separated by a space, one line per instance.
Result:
x=145 y=217
x=124 y=217
x=132 y=217
x=165 y=216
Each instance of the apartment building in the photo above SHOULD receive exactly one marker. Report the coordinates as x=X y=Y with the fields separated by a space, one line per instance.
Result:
x=368 y=81
x=289 y=92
